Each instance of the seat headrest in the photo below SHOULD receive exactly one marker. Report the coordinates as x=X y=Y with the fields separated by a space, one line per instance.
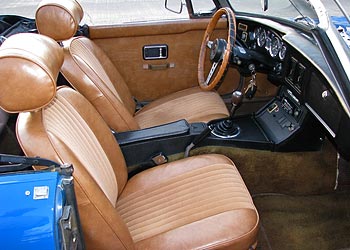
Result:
x=58 y=19
x=29 y=67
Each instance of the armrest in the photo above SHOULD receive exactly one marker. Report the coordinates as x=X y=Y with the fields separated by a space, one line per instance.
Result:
x=177 y=128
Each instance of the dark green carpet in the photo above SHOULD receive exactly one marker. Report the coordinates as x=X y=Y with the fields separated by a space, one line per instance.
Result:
x=319 y=222
x=294 y=173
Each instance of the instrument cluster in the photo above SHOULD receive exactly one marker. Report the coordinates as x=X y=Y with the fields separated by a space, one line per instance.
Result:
x=271 y=42
x=263 y=39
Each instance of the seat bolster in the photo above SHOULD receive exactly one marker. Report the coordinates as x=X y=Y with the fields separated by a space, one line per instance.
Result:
x=103 y=228
x=32 y=137
x=91 y=73
x=193 y=105
x=238 y=231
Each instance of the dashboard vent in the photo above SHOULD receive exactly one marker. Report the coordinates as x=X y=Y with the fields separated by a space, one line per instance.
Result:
x=296 y=74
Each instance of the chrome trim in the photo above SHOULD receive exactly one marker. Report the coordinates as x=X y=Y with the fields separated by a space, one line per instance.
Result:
x=290 y=93
x=320 y=120
x=159 y=47
x=321 y=13
x=227 y=136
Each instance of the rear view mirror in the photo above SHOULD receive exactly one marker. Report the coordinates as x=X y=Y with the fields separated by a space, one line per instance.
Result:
x=264 y=5
x=175 y=6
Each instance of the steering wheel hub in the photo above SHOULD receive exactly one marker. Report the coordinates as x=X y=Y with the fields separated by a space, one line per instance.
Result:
x=217 y=50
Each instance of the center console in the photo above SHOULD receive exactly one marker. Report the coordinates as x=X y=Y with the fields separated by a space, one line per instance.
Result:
x=282 y=117
x=284 y=124
x=288 y=124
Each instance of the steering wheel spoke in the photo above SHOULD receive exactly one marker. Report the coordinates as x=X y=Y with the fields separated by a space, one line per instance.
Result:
x=220 y=50
x=211 y=72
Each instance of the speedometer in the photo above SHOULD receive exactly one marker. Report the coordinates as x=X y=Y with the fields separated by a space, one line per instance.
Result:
x=261 y=38
x=275 y=46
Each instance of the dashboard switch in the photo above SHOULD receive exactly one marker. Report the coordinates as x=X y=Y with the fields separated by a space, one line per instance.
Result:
x=325 y=94
x=273 y=108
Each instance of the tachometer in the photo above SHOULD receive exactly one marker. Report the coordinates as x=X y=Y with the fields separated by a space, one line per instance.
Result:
x=275 y=46
x=261 y=38
x=283 y=51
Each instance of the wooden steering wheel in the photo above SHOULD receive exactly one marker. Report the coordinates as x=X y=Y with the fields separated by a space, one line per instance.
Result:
x=220 y=50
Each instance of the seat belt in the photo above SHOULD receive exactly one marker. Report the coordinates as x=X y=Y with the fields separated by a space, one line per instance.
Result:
x=199 y=138
x=139 y=105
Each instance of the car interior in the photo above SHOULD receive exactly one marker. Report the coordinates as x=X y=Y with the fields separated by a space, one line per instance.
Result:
x=183 y=135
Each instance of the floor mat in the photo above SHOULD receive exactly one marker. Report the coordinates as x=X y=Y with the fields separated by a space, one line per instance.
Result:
x=319 y=222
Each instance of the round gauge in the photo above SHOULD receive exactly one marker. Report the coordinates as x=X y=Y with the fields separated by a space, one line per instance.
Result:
x=261 y=38
x=275 y=46
x=283 y=51
x=257 y=32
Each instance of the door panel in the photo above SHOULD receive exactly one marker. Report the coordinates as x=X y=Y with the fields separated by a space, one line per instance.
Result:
x=124 y=43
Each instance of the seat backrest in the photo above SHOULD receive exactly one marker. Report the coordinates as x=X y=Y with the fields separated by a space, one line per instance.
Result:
x=65 y=127
x=86 y=66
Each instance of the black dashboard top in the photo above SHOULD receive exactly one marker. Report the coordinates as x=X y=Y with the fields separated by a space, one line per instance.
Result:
x=299 y=64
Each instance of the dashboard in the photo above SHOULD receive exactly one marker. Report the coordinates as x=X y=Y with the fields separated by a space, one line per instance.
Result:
x=286 y=65
x=293 y=61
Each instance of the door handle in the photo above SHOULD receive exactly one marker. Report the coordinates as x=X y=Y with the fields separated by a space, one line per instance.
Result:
x=159 y=66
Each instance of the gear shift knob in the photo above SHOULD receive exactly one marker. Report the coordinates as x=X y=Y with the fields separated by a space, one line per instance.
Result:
x=236 y=101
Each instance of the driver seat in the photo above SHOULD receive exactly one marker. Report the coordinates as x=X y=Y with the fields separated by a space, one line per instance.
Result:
x=89 y=70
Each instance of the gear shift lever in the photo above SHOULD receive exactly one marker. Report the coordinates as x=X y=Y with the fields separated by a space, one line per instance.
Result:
x=236 y=101
x=227 y=128
x=224 y=129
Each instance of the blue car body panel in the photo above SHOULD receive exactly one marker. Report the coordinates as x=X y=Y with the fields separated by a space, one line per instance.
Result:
x=30 y=206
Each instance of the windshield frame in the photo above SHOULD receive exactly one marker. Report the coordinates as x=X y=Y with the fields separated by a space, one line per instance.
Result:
x=299 y=11
x=335 y=52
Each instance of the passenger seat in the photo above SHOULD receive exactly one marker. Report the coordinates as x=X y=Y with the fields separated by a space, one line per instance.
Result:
x=199 y=202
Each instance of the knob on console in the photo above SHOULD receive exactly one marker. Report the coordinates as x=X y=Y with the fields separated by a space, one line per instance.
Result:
x=236 y=101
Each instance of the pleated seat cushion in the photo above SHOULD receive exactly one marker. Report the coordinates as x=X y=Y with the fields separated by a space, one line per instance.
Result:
x=198 y=202
x=193 y=105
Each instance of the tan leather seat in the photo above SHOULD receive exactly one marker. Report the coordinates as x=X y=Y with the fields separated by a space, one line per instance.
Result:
x=91 y=72
x=194 y=203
